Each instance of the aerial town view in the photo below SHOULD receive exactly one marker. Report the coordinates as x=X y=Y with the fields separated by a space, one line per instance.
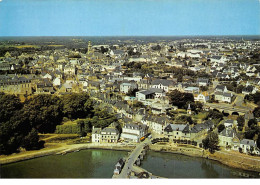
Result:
x=89 y=99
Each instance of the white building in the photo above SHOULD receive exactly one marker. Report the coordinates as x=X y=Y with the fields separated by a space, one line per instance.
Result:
x=126 y=87
x=96 y=134
x=133 y=132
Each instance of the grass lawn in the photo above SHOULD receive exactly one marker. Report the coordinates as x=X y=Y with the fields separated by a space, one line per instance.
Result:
x=201 y=115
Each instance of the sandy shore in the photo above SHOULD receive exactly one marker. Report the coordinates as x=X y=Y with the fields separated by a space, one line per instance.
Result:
x=231 y=159
x=59 y=150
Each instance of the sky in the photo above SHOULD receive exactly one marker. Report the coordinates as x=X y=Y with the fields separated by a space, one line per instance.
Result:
x=129 y=17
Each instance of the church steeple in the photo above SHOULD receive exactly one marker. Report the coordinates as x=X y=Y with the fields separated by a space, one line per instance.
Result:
x=89 y=47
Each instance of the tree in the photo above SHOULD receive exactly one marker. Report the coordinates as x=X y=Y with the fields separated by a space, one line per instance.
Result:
x=257 y=112
x=31 y=141
x=44 y=112
x=211 y=142
x=185 y=119
x=252 y=123
x=77 y=106
x=250 y=134
x=179 y=99
x=9 y=105
x=240 y=121
x=214 y=114
x=132 y=92
x=239 y=89
x=221 y=127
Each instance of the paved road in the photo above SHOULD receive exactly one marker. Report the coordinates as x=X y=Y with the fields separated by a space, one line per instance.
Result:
x=128 y=167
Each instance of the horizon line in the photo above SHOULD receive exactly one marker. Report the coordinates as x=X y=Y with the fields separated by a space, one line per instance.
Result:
x=128 y=35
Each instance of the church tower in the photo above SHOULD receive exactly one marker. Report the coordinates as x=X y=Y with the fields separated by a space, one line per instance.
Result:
x=189 y=110
x=89 y=47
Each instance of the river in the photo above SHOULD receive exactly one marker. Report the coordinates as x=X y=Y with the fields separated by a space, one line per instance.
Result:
x=96 y=163
x=180 y=166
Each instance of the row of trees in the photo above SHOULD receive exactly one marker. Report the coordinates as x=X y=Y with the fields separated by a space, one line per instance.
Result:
x=21 y=122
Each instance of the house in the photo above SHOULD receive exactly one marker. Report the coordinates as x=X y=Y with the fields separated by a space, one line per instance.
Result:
x=230 y=123
x=126 y=87
x=202 y=97
x=249 y=146
x=160 y=106
x=69 y=70
x=201 y=129
x=192 y=90
x=96 y=134
x=44 y=87
x=57 y=81
x=109 y=135
x=156 y=123
x=166 y=85
x=221 y=88
x=159 y=93
x=249 y=89
x=228 y=138
x=16 y=85
x=133 y=132
x=202 y=81
x=223 y=97
x=144 y=95
x=218 y=59
x=177 y=131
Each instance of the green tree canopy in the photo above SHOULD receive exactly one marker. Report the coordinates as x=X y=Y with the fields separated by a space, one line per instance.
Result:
x=179 y=99
x=77 y=106
x=44 y=112
x=211 y=142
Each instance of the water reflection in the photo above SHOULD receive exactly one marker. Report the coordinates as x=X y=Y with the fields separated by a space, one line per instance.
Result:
x=209 y=169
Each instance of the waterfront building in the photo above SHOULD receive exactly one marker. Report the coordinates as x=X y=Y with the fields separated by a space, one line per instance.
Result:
x=133 y=132
x=96 y=133
x=109 y=135
x=177 y=131
x=228 y=138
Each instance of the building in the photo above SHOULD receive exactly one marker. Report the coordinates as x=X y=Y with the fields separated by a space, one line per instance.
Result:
x=133 y=132
x=202 y=81
x=221 y=88
x=177 y=131
x=202 y=97
x=249 y=146
x=144 y=95
x=16 y=86
x=126 y=87
x=96 y=134
x=228 y=138
x=230 y=123
x=109 y=135
x=201 y=129
x=165 y=85
x=223 y=97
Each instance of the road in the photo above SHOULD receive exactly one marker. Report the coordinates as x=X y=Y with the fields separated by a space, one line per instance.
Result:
x=128 y=167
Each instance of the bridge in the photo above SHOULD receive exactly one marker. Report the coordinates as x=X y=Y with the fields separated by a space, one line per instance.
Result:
x=228 y=108
x=135 y=156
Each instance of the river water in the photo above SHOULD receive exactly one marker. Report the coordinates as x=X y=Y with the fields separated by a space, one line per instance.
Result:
x=96 y=163
x=180 y=166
